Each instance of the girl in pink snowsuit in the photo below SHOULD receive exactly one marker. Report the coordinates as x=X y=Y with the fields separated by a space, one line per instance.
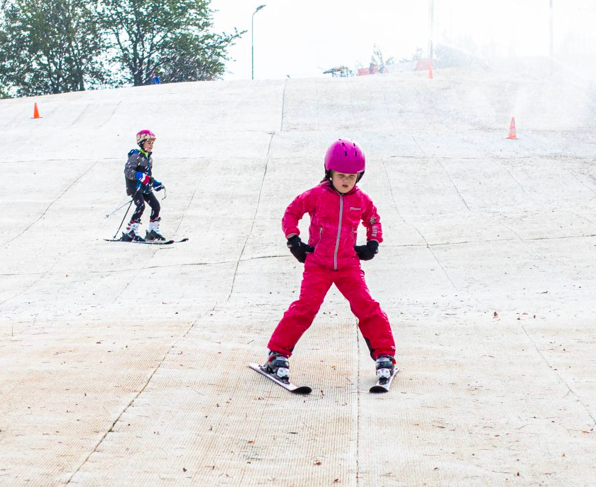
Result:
x=336 y=207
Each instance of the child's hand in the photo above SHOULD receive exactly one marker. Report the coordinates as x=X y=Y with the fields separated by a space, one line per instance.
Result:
x=367 y=252
x=298 y=248
x=144 y=178
x=157 y=186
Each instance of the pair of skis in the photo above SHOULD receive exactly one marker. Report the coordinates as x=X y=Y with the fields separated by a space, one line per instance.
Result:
x=145 y=242
x=383 y=385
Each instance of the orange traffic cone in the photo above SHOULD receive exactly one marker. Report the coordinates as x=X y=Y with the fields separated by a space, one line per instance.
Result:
x=430 y=75
x=35 y=111
x=512 y=132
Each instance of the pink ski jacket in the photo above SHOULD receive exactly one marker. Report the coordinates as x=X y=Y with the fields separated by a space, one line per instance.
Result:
x=335 y=219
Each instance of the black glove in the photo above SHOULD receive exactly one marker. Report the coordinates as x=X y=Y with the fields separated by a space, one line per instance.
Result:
x=298 y=248
x=367 y=252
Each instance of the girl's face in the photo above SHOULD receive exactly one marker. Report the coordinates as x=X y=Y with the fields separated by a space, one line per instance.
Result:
x=148 y=145
x=343 y=182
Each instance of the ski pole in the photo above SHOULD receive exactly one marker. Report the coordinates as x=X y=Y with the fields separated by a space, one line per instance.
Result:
x=121 y=206
x=127 y=212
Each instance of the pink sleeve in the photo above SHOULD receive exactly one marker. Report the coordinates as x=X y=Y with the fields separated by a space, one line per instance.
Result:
x=293 y=214
x=372 y=222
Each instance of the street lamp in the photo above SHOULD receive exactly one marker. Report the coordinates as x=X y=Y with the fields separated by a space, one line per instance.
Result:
x=551 y=51
x=431 y=27
x=256 y=10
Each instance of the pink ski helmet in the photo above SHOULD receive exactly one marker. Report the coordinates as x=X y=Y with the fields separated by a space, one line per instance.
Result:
x=144 y=135
x=345 y=156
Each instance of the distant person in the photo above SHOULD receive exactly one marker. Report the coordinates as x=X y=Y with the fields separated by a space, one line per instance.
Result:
x=140 y=184
x=154 y=78
x=336 y=207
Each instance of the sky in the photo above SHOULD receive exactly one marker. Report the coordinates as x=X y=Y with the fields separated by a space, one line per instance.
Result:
x=303 y=38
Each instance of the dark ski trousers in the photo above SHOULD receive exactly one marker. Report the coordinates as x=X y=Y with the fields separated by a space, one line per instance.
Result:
x=373 y=322
x=139 y=198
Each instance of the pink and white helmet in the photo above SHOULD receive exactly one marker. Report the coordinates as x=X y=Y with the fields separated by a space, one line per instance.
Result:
x=144 y=135
x=345 y=156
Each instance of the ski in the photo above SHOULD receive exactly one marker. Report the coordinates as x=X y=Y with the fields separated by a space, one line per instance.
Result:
x=166 y=242
x=383 y=385
x=289 y=386
x=163 y=242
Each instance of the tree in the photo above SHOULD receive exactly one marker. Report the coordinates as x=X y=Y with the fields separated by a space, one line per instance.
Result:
x=378 y=60
x=167 y=36
x=49 y=46
x=415 y=57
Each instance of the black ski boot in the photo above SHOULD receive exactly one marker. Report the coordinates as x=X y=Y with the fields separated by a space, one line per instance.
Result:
x=153 y=234
x=131 y=234
x=384 y=367
x=278 y=366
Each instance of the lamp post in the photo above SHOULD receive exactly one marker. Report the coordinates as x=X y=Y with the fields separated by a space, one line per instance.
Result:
x=431 y=27
x=551 y=50
x=252 y=58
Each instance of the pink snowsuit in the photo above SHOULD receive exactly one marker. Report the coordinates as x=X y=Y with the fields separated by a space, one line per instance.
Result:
x=335 y=219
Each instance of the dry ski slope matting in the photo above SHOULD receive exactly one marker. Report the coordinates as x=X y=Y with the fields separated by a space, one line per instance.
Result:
x=127 y=364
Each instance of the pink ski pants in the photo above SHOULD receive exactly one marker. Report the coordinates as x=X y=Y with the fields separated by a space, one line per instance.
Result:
x=350 y=281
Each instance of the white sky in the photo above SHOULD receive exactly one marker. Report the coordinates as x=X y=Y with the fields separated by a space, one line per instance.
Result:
x=303 y=38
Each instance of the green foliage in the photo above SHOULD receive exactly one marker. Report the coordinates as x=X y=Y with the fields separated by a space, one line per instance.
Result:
x=49 y=46
x=57 y=46
x=168 y=37
x=194 y=58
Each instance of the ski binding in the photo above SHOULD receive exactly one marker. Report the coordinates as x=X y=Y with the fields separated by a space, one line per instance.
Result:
x=383 y=384
x=289 y=386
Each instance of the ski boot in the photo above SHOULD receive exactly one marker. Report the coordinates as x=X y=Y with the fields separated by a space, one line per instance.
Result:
x=278 y=366
x=384 y=367
x=131 y=234
x=153 y=234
